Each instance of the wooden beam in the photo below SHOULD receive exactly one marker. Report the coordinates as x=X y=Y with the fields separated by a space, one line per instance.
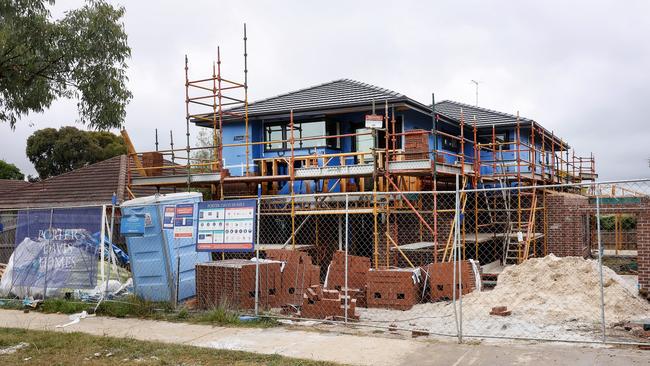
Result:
x=131 y=150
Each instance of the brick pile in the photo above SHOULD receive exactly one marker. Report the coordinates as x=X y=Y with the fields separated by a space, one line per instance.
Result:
x=394 y=288
x=319 y=303
x=153 y=160
x=298 y=273
x=416 y=146
x=441 y=279
x=358 y=268
x=231 y=283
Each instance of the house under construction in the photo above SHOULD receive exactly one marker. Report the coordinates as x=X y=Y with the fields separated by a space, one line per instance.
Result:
x=304 y=148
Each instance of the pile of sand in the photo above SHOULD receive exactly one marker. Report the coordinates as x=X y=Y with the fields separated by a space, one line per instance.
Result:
x=549 y=297
x=554 y=290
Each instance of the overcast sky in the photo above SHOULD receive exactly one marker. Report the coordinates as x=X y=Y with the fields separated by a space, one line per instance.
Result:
x=579 y=69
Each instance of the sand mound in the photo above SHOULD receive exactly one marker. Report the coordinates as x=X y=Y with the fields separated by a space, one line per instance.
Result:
x=550 y=297
x=554 y=290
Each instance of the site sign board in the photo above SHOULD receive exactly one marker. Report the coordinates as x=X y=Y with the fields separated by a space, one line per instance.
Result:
x=226 y=226
x=184 y=221
x=374 y=121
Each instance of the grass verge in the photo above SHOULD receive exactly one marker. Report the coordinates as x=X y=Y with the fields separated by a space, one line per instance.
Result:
x=57 y=348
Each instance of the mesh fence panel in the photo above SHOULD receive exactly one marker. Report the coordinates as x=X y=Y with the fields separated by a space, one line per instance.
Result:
x=56 y=252
x=538 y=249
x=518 y=262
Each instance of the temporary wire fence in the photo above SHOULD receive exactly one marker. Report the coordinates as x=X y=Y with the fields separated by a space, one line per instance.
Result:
x=529 y=262
x=516 y=263
x=57 y=252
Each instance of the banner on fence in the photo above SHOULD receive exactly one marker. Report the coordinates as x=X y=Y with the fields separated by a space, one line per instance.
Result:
x=225 y=226
x=57 y=223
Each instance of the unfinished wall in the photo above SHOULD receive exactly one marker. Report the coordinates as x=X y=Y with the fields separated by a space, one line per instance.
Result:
x=568 y=226
x=567 y=233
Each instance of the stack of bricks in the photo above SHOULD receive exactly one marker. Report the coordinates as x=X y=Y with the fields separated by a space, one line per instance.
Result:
x=319 y=303
x=441 y=279
x=231 y=283
x=394 y=288
x=416 y=146
x=358 y=268
x=152 y=160
x=298 y=274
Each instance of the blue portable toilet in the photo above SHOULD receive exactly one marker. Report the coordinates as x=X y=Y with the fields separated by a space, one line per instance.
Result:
x=162 y=267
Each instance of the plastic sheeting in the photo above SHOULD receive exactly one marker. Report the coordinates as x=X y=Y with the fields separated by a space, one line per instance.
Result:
x=50 y=264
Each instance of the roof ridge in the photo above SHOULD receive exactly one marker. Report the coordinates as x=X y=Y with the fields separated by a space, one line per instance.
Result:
x=122 y=177
x=486 y=110
x=369 y=86
x=293 y=92
x=375 y=87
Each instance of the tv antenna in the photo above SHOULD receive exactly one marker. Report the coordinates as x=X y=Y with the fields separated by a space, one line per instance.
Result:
x=476 y=85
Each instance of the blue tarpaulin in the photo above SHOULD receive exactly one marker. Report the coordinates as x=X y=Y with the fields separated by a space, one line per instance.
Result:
x=57 y=223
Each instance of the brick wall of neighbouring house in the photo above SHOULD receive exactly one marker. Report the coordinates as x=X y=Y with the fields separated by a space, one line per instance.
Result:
x=567 y=224
x=641 y=210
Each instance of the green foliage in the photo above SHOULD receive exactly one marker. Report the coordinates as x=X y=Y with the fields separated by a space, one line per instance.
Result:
x=608 y=222
x=205 y=141
x=81 y=56
x=135 y=307
x=55 y=152
x=10 y=171
x=131 y=306
x=224 y=315
x=182 y=314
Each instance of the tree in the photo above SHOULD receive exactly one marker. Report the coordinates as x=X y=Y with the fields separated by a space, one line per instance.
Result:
x=205 y=141
x=81 y=56
x=10 y=171
x=55 y=152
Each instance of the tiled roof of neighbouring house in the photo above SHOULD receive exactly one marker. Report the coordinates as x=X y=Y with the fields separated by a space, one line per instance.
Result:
x=91 y=185
x=7 y=185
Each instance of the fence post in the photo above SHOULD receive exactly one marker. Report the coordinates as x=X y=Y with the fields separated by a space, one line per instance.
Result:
x=600 y=266
x=347 y=230
x=102 y=237
x=110 y=255
x=257 y=250
x=454 y=255
x=459 y=262
x=47 y=257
